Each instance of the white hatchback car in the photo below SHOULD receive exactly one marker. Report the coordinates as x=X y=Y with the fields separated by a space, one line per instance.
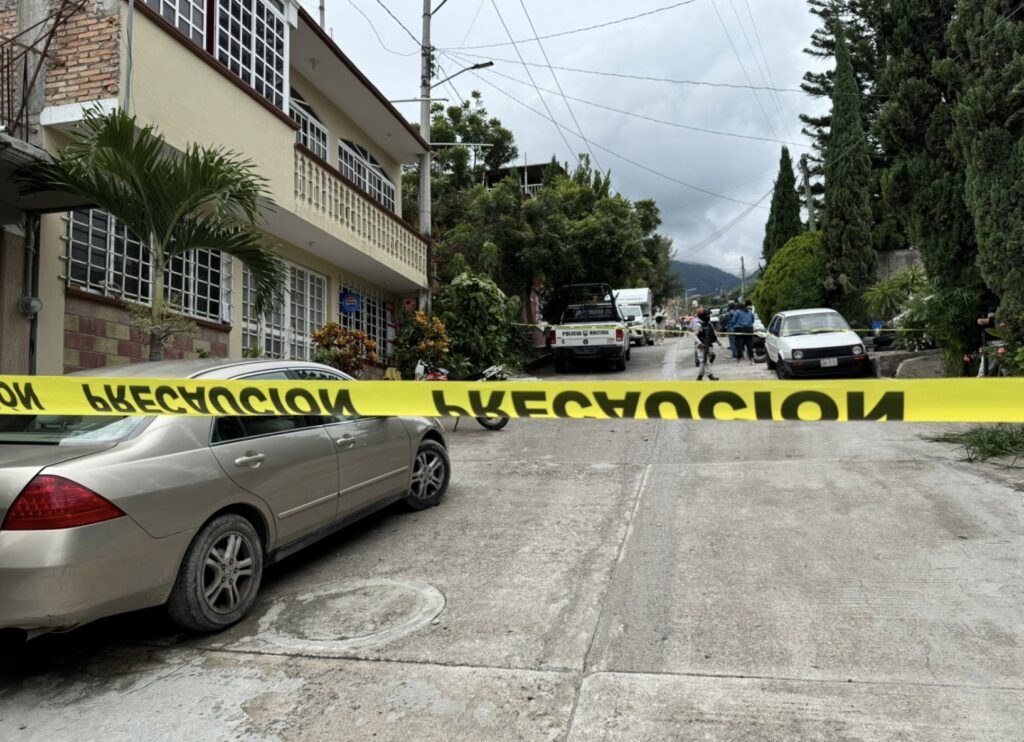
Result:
x=814 y=342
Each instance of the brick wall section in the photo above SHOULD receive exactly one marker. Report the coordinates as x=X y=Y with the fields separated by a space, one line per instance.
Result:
x=98 y=334
x=8 y=20
x=88 y=46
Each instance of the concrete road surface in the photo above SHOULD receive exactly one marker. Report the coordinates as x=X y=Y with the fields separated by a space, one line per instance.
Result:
x=619 y=580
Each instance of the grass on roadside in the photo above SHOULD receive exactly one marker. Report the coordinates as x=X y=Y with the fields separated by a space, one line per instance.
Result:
x=988 y=442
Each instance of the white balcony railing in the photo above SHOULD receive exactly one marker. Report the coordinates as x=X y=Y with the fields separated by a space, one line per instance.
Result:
x=325 y=191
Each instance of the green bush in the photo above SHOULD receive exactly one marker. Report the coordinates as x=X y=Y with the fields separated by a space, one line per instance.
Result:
x=479 y=319
x=794 y=279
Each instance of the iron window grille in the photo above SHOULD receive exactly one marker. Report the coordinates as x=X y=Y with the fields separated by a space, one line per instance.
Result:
x=359 y=166
x=311 y=132
x=188 y=16
x=105 y=258
x=371 y=317
x=252 y=42
x=285 y=332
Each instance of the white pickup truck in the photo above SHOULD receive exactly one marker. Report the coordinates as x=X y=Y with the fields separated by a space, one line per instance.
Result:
x=588 y=332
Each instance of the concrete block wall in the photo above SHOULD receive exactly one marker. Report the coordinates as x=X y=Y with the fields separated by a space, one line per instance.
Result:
x=97 y=333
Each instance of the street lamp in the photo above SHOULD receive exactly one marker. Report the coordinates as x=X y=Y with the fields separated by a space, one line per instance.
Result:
x=477 y=66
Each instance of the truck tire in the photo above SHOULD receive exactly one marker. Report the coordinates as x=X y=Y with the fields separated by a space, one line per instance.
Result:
x=629 y=354
x=561 y=365
x=620 y=363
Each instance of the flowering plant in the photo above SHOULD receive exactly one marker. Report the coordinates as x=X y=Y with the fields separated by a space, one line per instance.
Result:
x=344 y=349
x=422 y=337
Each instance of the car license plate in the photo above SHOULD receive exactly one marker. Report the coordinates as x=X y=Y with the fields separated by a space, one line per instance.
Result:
x=829 y=362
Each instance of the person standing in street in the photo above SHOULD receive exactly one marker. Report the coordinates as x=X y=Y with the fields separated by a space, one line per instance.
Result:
x=706 y=338
x=743 y=331
x=725 y=322
x=694 y=328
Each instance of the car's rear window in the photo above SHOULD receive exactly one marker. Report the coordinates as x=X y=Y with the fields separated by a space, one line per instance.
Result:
x=65 y=429
x=590 y=313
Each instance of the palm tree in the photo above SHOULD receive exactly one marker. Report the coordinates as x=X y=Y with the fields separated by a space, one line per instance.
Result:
x=204 y=198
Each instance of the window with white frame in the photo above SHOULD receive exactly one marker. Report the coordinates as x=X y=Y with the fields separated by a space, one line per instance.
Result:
x=252 y=42
x=285 y=332
x=371 y=317
x=105 y=258
x=358 y=165
x=188 y=16
x=311 y=132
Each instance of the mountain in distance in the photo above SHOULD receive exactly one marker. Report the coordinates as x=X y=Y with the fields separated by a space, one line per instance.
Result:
x=706 y=279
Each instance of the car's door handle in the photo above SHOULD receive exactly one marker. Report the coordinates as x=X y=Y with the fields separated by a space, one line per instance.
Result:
x=346 y=441
x=250 y=459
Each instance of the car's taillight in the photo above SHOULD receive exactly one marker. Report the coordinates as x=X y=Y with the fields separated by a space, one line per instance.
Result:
x=49 y=502
x=551 y=337
x=619 y=335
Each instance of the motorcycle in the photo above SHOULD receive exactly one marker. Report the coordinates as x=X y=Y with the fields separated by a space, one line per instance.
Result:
x=424 y=372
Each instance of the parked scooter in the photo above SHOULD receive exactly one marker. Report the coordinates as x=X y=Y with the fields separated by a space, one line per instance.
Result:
x=424 y=372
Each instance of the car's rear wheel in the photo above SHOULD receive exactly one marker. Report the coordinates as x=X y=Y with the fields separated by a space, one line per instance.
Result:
x=768 y=360
x=431 y=473
x=620 y=362
x=219 y=577
x=561 y=365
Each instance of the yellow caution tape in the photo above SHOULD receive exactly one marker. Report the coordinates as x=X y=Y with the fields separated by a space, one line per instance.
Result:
x=720 y=333
x=924 y=400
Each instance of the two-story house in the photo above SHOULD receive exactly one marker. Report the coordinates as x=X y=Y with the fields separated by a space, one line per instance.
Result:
x=260 y=78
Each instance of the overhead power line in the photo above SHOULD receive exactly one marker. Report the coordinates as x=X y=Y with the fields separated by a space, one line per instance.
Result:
x=650 y=78
x=743 y=67
x=533 y=82
x=577 y=30
x=764 y=57
x=572 y=114
x=404 y=28
x=617 y=155
x=705 y=243
x=384 y=46
x=642 y=117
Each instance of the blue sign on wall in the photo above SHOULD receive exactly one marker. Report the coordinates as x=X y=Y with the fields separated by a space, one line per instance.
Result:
x=349 y=302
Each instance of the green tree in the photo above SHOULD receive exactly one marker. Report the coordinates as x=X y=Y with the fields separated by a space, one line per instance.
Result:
x=846 y=228
x=479 y=319
x=867 y=29
x=987 y=42
x=203 y=198
x=924 y=183
x=455 y=170
x=793 y=279
x=784 y=214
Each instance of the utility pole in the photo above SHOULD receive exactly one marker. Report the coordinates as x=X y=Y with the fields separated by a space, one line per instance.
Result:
x=743 y=278
x=426 y=73
x=808 y=195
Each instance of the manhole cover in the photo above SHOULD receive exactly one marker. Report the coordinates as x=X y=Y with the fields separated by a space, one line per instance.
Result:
x=355 y=615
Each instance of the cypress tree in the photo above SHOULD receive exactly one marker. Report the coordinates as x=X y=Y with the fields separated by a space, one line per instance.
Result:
x=988 y=60
x=846 y=228
x=784 y=214
x=924 y=184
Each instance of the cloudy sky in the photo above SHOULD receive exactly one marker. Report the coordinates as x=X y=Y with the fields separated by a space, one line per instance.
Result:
x=687 y=42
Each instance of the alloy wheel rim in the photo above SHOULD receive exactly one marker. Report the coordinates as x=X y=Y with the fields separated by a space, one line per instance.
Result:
x=427 y=475
x=228 y=572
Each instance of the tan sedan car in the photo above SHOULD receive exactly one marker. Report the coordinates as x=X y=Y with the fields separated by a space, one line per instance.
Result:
x=101 y=515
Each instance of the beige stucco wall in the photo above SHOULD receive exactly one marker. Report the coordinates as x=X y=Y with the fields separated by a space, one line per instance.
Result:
x=192 y=103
